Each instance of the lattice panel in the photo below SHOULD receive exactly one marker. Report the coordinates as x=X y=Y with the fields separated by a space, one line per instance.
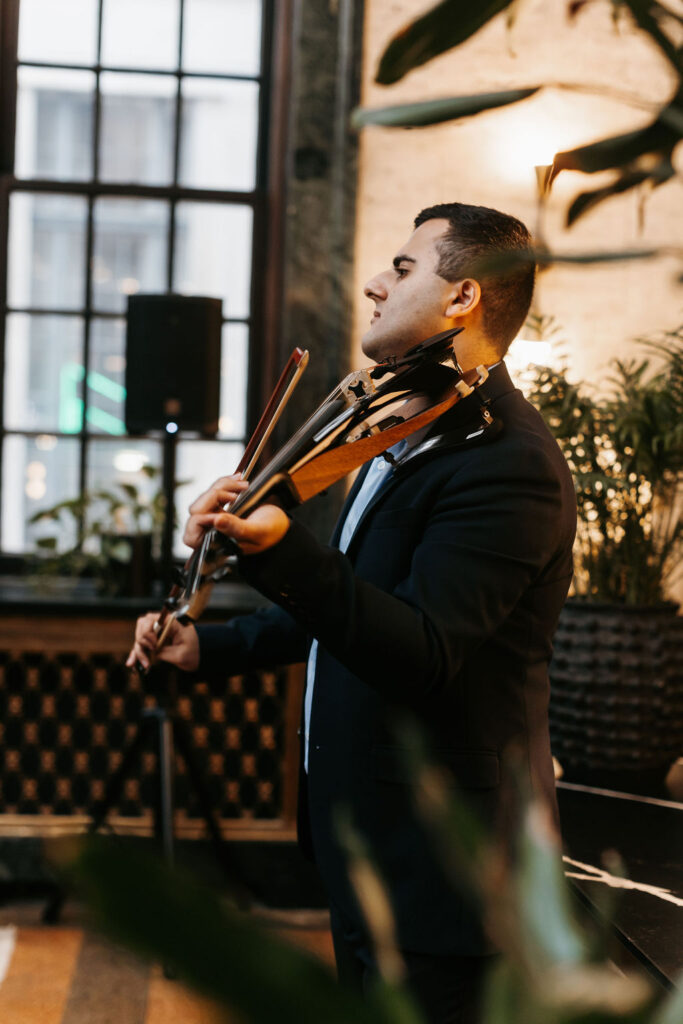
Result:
x=66 y=721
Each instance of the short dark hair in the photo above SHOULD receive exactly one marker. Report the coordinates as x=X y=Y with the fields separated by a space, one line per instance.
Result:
x=478 y=235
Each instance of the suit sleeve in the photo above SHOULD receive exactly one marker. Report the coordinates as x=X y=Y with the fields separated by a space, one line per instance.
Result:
x=488 y=537
x=260 y=640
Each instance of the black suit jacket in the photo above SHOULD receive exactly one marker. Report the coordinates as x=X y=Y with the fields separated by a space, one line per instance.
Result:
x=444 y=604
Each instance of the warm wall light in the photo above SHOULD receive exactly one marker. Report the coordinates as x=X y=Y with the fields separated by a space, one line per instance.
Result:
x=529 y=135
x=525 y=354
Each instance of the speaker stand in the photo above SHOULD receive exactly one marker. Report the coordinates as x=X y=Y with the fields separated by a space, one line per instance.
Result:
x=166 y=733
x=168 y=478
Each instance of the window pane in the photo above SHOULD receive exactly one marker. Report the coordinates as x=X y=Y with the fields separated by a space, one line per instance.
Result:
x=61 y=33
x=44 y=373
x=115 y=462
x=37 y=472
x=213 y=254
x=140 y=33
x=131 y=241
x=234 y=366
x=136 y=136
x=47 y=251
x=54 y=124
x=199 y=464
x=106 y=391
x=222 y=36
x=218 y=134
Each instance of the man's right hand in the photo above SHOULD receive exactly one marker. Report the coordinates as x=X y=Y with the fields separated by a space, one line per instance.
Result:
x=181 y=647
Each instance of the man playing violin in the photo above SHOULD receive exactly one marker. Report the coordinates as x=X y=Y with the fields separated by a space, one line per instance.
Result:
x=438 y=595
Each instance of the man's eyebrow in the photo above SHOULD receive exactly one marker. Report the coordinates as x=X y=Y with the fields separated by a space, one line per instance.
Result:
x=403 y=259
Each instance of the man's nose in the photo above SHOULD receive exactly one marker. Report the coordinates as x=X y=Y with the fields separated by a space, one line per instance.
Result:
x=375 y=288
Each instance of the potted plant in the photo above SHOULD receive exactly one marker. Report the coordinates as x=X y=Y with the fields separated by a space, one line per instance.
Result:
x=116 y=531
x=617 y=669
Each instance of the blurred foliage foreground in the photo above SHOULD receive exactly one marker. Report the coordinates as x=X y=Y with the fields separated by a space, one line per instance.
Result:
x=552 y=971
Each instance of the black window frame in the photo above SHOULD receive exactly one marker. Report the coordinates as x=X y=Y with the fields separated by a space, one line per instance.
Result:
x=265 y=201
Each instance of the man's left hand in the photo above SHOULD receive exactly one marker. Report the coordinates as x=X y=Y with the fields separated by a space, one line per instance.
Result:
x=263 y=528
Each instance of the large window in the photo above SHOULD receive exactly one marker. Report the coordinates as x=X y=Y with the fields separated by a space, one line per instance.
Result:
x=139 y=167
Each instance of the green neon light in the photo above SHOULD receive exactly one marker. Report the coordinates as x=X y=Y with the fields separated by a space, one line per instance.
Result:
x=71 y=405
x=107 y=387
x=105 y=421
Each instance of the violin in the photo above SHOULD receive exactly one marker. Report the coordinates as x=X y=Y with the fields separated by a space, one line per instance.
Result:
x=361 y=418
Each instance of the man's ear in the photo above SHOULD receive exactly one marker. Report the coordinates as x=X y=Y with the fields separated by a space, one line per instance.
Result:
x=465 y=296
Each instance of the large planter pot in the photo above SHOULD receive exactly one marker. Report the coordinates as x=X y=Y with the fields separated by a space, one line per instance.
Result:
x=616 y=704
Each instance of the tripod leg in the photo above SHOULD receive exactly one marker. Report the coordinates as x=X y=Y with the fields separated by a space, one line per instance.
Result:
x=163 y=816
x=164 y=824
x=115 y=784
x=99 y=811
x=240 y=889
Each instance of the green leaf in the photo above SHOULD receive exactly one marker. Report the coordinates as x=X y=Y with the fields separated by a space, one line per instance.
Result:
x=417 y=115
x=507 y=1001
x=165 y=914
x=672 y=115
x=642 y=11
x=546 y=922
x=671 y=1010
x=613 y=256
x=460 y=840
x=119 y=551
x=47 y=543
x=505 y=262
x=131 y=490
x=617 y=150
x=447 y=25
x=395 y=1005
x=50 y=514
x=588 y=200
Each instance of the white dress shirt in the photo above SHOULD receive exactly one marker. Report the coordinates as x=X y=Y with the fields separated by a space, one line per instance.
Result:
x=377 y=475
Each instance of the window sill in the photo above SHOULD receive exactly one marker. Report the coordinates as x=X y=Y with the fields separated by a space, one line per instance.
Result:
x=62 y=595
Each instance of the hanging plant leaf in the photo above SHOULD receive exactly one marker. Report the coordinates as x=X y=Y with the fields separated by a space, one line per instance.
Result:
x=588 y=200
x=665 y=12
x=447 y=25
x=418 y=115
x=673 y=115
x=505 y=262
x=575 y=7
x=618 y=150
x=620 y=255
x=644 y=13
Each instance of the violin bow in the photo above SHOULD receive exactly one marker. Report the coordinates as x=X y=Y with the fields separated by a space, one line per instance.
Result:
x=282 y=392
x=289 y=378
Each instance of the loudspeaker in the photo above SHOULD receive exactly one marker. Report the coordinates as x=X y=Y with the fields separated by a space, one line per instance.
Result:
x=173 y=362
